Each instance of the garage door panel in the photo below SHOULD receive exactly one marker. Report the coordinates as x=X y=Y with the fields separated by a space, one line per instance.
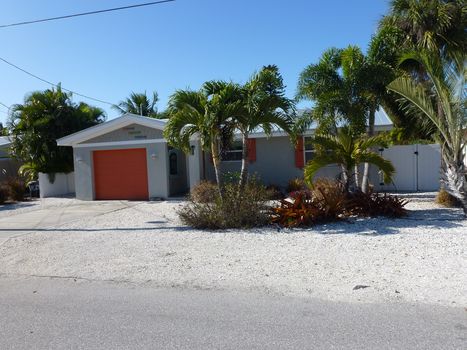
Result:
x=121 y=174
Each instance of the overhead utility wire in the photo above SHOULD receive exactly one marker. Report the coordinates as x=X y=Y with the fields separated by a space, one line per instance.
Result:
x=85 y=13
x=56 y=85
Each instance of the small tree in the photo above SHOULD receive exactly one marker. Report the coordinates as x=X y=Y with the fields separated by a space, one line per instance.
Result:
x=348 y=152
x=205 y=114
x=265 y=106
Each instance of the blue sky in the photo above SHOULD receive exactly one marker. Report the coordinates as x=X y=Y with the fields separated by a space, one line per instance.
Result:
x=171 y=46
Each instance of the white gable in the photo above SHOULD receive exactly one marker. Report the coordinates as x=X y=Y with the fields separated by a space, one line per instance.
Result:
x=109 y=126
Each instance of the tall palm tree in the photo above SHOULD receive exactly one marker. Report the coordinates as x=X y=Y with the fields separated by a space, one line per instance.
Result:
x=432 y=25
x=264 y=106
x=206 y=114
x=347 y=151
x=444 y=104
x=139 y=103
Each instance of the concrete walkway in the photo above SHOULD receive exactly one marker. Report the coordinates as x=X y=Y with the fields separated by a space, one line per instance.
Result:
x=20 y=223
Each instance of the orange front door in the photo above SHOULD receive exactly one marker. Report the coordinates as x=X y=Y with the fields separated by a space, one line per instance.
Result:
x=121 y=174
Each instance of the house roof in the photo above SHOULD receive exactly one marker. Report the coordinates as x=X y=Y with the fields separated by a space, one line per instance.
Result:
x=5 y=141
x=108 y=126
x=382 y=121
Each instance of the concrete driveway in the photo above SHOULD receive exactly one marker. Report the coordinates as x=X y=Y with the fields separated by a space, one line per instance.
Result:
x=49 y=215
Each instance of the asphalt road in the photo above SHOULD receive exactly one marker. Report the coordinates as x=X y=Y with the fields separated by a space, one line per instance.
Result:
x=44 y=313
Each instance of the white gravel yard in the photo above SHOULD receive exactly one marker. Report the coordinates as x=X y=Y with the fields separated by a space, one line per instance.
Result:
x=421 y=258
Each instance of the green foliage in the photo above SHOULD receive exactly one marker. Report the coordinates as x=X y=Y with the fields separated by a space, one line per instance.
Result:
x=348 y=151
x=44 y=117
x=235 y=209
x=206 y=114
x=264 y=106
x=3 y=130
x=434 y=25
x=140 y=104
x=442 y=100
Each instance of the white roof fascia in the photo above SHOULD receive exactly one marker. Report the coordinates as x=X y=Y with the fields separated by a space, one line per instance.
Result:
x=111 y=125
x=5 y=141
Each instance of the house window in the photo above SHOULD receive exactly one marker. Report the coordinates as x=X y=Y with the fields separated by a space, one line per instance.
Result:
x=233 y=153
x=308 y=149
x=173 y=164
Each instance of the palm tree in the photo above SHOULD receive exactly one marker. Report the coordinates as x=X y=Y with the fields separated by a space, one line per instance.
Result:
x=139 y=103
x=432 y=25
x=206 y=114
x=44 y=117
x=347 y=87
x=335 y=91
x=264 y=106
x=347 y=151
x=444 y=104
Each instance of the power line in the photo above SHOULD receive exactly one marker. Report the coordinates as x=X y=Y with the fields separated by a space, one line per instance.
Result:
x=4 y=105
x=85 y=13
x=56 y=85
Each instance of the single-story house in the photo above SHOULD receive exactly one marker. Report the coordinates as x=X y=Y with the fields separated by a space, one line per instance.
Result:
x=128 y=158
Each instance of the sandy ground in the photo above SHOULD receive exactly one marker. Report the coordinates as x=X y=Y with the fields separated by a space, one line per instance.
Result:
x=421 y=258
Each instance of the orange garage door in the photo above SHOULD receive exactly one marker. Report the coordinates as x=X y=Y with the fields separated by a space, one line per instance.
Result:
x=121 y=174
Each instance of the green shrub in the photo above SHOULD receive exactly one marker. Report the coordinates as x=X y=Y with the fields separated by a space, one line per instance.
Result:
x=296 y=184
x=204 y=192
x=236 y=210
x=446 y=199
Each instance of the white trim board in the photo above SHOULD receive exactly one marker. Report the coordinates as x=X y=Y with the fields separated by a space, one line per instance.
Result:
x=111 y=125
x=119 y=143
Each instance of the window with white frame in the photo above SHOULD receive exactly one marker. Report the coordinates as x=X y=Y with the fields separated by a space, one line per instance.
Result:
x=308 y=149
x=233 y=153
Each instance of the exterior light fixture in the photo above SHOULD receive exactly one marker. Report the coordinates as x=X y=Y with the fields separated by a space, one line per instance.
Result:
x=154 y=156
x=192 y=150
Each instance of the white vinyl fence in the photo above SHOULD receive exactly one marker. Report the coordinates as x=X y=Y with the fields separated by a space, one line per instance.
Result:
x=64 y=184
x=418 y=167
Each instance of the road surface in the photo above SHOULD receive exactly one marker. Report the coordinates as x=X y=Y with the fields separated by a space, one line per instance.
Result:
x=45 y=313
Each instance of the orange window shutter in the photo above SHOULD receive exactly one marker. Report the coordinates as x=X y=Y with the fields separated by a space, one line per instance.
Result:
x=299 y=155
x=252 y=150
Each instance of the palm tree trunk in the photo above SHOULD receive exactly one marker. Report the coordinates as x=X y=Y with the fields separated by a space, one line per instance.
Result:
x=455 y=182
x=345 y=177
x=216 y=162
x=357 y=177
x=244 y=171
x=371 y=132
